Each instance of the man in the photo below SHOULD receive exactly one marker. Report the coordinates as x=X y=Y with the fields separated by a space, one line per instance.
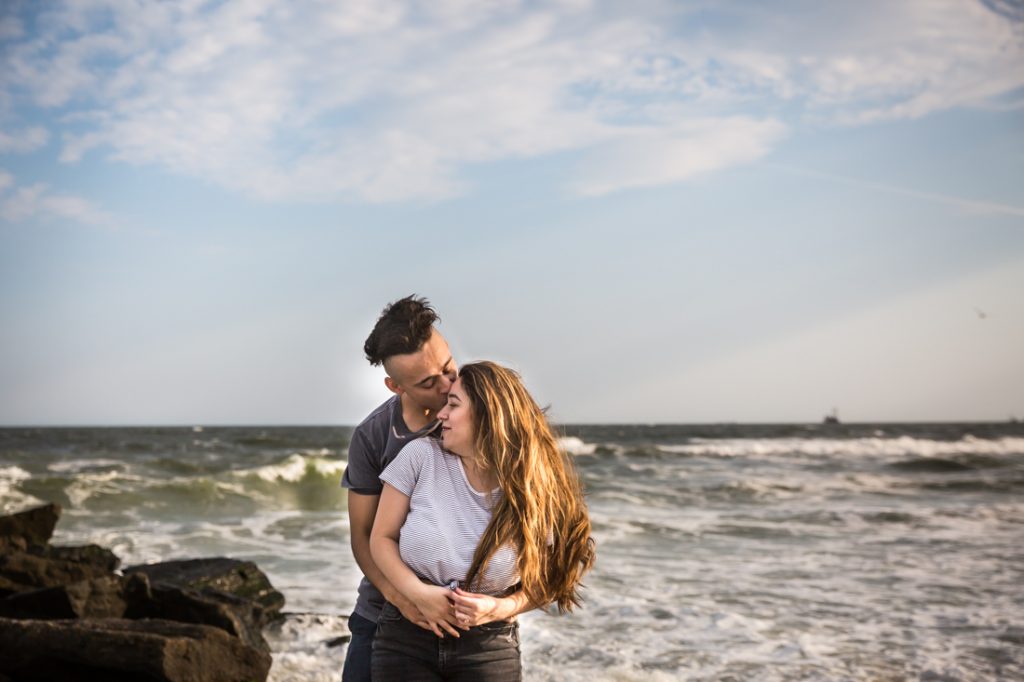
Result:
x=420 y=371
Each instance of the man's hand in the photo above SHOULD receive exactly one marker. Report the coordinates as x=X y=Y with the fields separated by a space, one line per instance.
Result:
x=410 y=611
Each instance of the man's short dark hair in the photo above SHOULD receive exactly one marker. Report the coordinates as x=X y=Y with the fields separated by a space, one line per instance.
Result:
x=402 y=328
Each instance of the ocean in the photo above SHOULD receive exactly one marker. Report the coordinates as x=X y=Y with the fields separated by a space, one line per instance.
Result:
x=725 y=552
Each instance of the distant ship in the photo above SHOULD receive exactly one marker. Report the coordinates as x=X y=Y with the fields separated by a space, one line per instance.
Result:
x=831 y=418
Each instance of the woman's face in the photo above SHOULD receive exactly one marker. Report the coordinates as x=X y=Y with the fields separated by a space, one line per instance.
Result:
x=457 y=426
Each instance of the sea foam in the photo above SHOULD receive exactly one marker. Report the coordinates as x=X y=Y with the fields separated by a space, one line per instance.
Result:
x=295 y=468
x=859 y=447
x=576 y=446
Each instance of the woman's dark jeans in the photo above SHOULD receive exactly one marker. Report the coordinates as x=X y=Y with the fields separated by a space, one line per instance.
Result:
x=405 y=652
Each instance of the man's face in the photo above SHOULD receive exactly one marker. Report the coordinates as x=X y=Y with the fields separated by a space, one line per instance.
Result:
x=425 y=376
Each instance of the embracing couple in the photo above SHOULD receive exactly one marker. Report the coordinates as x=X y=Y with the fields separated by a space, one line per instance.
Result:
x=463 y=513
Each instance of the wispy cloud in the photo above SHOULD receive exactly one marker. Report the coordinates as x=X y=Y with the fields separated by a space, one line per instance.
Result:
x=10 y=27
x=963 y=203
x=661 y=158
x=37 y=201
x=388 y=100
x=23 y=141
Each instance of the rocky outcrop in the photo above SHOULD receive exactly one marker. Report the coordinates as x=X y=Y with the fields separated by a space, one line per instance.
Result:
x=66 y=614
x=234 y=615
x=220 y=575
x=98 y=557
x=97 y=598
x=22 y=571
x=119 y=649
x=32 y=527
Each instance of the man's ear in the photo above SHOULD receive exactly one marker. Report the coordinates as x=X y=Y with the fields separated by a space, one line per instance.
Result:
x=393 y=386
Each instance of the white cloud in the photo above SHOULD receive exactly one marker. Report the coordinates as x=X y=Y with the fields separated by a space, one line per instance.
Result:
x=6 y=180
x=11 y=27
x=23 y=141
x=857 y=63
x=389 y=100
x=22 y=204
x=661 y=158
x=75 y=146
x=37 y=201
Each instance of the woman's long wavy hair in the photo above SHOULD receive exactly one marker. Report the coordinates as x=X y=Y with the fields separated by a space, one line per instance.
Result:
x=542 y=511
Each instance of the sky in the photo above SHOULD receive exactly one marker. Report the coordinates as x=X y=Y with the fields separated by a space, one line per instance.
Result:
x=689 y=212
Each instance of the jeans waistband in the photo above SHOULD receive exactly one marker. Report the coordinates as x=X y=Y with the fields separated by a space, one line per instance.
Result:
x=455 y=583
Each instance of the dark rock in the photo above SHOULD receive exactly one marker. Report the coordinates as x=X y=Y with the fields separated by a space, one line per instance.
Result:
x=21 y=571
x=119 y=650
x=97 y=598
x=240 y=578
x=24 y=529
x=94 y=555
x=47 y=603
x=235 y=615
x=8 y=586
x=137 y=590
x=337 y=641
x=65 y=614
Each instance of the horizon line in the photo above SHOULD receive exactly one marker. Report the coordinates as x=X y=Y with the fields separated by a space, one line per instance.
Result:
x=1012 y=419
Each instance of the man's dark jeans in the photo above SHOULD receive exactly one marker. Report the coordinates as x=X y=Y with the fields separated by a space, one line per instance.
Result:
x=405 y=652
x=360 y=648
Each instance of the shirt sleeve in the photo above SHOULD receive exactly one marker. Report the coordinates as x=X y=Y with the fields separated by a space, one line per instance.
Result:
x=361 y=474
x=404 y=471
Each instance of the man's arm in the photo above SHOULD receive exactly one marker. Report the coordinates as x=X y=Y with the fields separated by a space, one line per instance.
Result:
x=362 y=509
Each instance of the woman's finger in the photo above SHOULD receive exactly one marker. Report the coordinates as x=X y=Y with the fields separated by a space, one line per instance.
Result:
x=463 y=597
x=464 y=622
x=468 y=616
x=465 y=604
x=448 y=628
x=474 y=608
x=451 y=616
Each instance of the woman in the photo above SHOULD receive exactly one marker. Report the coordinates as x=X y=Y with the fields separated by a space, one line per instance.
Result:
x=494 y=507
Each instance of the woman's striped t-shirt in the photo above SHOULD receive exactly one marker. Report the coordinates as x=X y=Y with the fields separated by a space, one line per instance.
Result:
x=446 y=519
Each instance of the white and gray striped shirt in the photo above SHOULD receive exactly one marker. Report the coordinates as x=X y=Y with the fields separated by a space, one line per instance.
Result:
x=446 y=519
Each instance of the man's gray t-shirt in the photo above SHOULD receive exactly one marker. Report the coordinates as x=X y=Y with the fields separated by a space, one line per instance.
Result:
x=375 y=442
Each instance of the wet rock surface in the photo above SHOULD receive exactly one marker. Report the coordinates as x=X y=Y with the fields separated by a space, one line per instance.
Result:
x=120 y=649
x=65 y=613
